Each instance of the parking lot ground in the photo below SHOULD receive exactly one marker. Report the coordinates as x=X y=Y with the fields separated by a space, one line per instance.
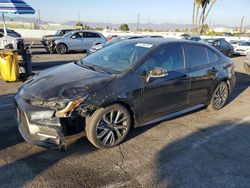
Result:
x=200 y=149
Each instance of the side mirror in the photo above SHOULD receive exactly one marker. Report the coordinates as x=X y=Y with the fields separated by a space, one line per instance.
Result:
x=73 y=37
x=157 y=72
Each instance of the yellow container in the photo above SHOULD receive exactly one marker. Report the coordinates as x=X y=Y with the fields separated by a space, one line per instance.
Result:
x=9 y=66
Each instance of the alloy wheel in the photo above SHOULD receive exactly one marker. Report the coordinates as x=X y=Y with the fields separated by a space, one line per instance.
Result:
x=112 y=127
x=220 y=96
x=61 y=49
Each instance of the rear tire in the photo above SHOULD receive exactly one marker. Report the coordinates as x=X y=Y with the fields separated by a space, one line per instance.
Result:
x=61 y=49
x=229 y=54
x=219 y=97
x=108 y=127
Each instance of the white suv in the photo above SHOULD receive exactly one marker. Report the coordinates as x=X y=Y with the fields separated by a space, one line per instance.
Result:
x=243 y=48
x=12 y=38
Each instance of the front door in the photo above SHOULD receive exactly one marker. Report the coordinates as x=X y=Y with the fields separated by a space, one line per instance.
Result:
x=166 y=94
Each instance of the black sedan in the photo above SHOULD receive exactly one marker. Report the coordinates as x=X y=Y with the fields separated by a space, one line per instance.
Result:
x=221 y=44
x=128 y=84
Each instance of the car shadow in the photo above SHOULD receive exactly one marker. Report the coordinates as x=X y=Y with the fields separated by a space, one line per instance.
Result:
x=9 y=134
x=211 y=157
x=29 y=167
x=242 y=83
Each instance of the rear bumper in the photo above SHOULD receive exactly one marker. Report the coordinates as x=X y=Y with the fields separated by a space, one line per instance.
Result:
x=39 y=126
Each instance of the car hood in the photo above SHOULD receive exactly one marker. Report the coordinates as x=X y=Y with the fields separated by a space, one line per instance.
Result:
x=66 y=81
x=52 y=37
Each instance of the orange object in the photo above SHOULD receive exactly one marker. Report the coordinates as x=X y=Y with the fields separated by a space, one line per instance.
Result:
x=9 y=66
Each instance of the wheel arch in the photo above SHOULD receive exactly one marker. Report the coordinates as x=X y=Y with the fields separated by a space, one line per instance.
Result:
x=127 y=106
x=63 y=44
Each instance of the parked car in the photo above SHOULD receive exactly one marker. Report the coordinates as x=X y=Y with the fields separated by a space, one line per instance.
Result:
x=185 y=36
x=152 y=36
x=221 y=44
x=48 y=38
x=75 y=41
x=247 y=63
x=110 y=37
x=193 y=38
x=235 y=43
x=127 y=84
x=13 y=38
x=11 y=32
x=243 y=48
x=113 y=41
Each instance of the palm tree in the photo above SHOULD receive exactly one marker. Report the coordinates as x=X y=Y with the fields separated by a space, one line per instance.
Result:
x=198 y=4
x=193 y=16
x=209 y=10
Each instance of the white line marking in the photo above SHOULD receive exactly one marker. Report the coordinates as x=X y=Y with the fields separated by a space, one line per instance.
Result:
x=226 y=129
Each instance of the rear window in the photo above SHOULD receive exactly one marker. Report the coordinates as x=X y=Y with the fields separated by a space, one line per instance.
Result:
x=212 y=56
x=196 y=55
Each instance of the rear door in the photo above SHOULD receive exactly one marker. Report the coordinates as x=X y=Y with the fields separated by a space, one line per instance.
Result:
x=203 y=69
x=89 y=39
x=167 y=94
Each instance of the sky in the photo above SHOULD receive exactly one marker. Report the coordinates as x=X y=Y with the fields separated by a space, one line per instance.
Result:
x=226 y=12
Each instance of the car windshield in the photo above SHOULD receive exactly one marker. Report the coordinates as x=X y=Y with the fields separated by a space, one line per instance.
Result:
x=116 y=58
x=68 y=34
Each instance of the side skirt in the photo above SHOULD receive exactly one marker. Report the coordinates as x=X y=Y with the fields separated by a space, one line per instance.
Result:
x=175 y=114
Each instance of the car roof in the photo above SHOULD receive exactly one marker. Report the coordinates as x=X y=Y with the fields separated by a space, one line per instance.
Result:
x=161 y=41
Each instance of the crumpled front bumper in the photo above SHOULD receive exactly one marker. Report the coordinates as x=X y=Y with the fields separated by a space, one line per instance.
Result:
x=39 y=126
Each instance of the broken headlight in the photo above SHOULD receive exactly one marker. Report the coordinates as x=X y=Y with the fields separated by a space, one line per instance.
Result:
x=49 y=104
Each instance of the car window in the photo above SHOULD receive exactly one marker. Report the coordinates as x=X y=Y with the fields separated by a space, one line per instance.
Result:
x=169 y=58
x=91 y=35
x=1 y=35
x=78 y=35
x=212 y=56
x=196 y=55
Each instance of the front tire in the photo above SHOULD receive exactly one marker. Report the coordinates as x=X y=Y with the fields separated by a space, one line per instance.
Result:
x=108 y=126
x=61 y=49
x=219 y=97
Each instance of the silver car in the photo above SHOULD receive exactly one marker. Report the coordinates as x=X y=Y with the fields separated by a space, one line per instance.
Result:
x=76 y=41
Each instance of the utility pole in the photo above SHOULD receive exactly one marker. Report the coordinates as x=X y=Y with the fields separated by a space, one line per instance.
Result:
x=148 y=24
x=138 y=21
x=241 y=25
x=39 y=19
x=78 y=16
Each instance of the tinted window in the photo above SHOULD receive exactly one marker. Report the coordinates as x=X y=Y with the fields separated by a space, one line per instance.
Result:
x=1 y=35
x=91 y=35
x=196 y=55
x=212 y=56
x=78 y=35
x=169 y=58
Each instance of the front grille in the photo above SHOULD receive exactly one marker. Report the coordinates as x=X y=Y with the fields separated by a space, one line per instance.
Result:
x=48 y=131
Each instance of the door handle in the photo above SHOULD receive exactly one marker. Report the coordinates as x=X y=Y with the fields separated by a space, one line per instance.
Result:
x=212 y=71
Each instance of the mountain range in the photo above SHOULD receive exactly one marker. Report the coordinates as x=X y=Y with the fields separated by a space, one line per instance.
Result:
x=132 y=26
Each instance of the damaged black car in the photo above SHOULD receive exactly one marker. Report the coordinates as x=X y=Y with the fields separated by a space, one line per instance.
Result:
x=128 y=84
